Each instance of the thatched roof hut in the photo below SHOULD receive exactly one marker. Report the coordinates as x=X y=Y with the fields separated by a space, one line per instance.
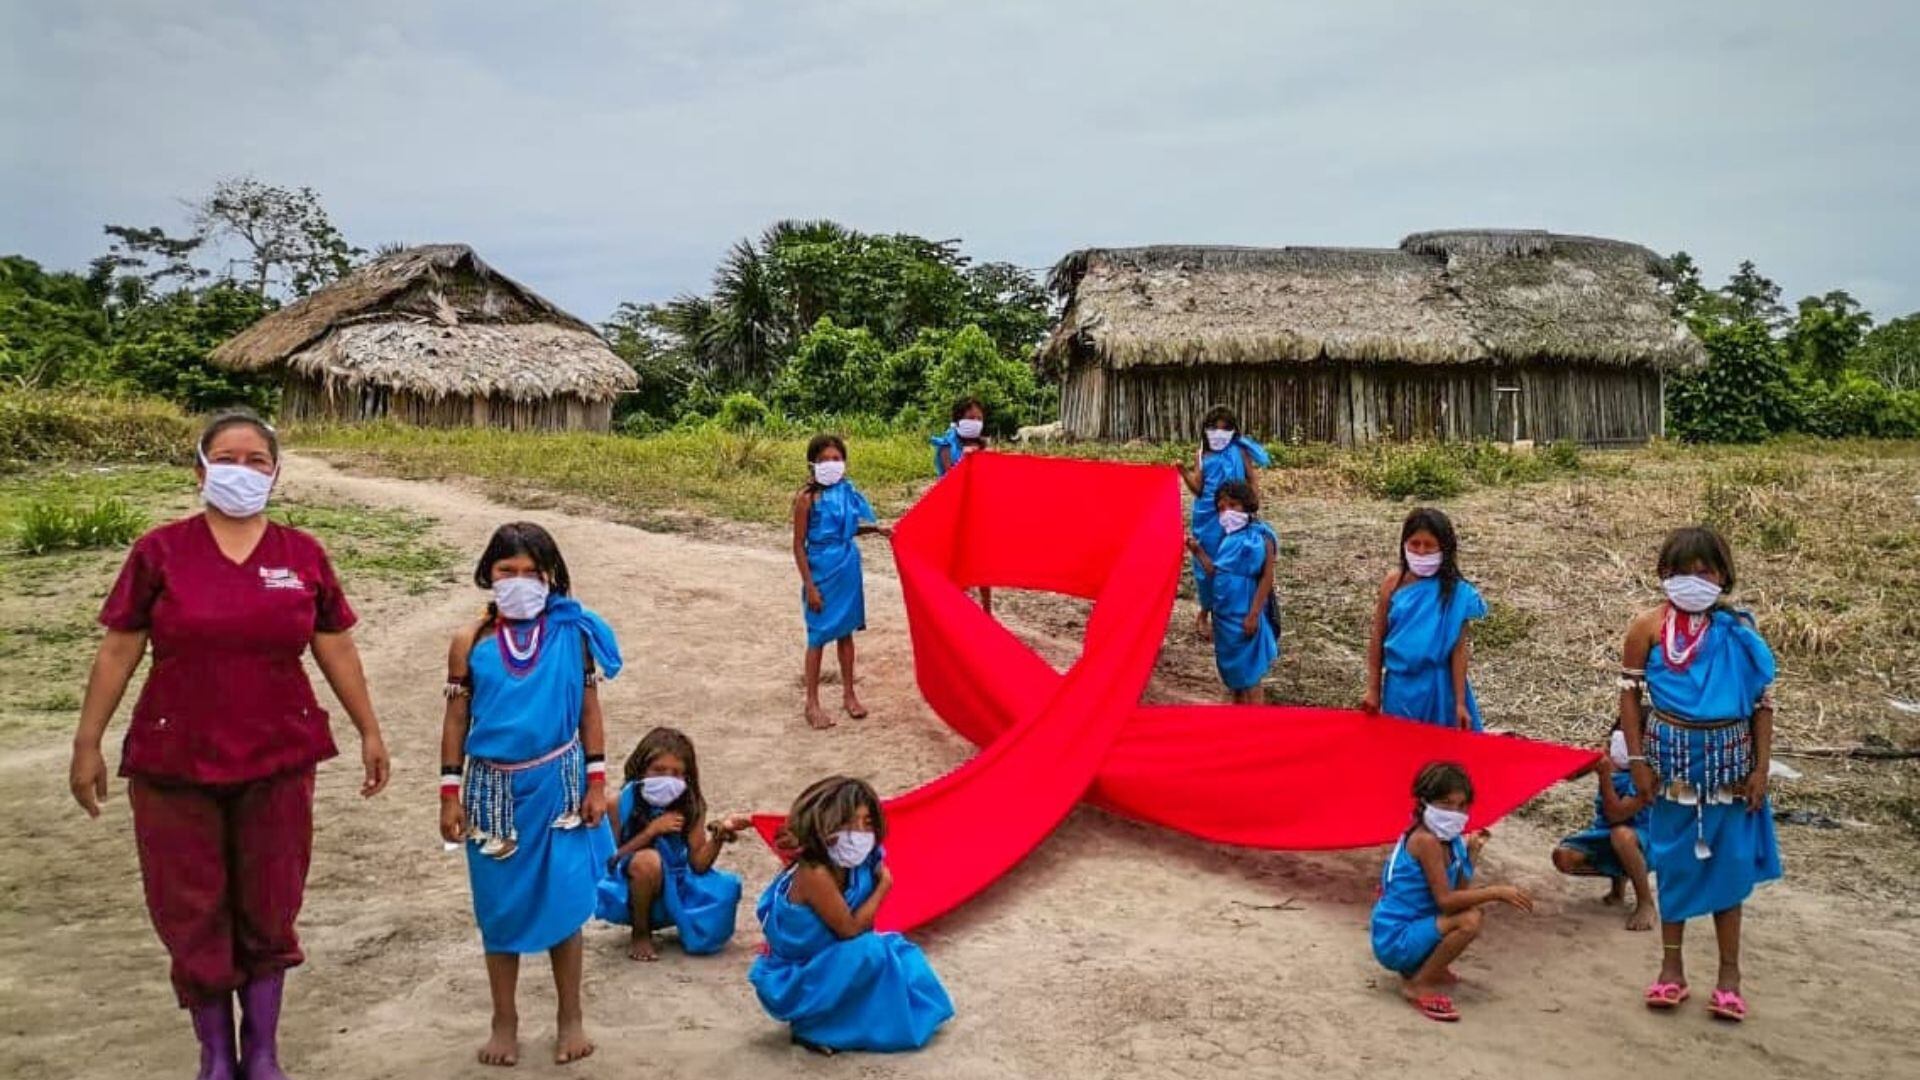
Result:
x=432 y=335
x=1450 y=335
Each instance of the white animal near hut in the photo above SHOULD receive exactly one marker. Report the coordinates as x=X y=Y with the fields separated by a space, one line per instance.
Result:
x=1040 y=433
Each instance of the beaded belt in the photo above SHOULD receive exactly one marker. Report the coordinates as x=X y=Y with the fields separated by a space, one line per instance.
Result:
x=487 y=797
x=1725 y=758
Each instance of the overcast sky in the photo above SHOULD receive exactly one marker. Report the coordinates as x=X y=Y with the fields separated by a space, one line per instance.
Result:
x=607 y=151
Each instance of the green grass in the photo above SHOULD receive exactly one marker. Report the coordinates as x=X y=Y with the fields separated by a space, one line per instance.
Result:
x=49 y=425
x=47 y=525
x=392 y=546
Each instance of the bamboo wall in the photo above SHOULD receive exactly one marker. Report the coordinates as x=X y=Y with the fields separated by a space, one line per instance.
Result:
x=1354 y=404
x=307 y=398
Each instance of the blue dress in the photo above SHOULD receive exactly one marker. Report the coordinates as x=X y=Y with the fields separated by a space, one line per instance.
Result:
x=1243 y=659
x=700 y=906
x=833 y=557
x=1596 y=840
x=1217 y=469
x=1406 y=918
x=1730 y=671
x=1417 y=653
x=955 y=446
x=542 y=893
x=870 y=992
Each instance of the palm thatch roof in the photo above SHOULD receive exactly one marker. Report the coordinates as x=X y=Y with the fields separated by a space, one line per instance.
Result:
x=436 y=321
x=1439 y=298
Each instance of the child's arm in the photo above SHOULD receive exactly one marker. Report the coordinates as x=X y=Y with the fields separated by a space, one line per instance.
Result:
x=801 y=505
x=1376 y=642
x=1762 y=755
x=709 y=839
x=1432 y=857
x=1616 y=808
x=815 y=887
x=653 y=830
x=1462 y=654
x=593 y=743
x=1200 y=553
x=1633 y=657
x=947 y=461
x=1259 y=609
x=453 y=734
x=1190 y=475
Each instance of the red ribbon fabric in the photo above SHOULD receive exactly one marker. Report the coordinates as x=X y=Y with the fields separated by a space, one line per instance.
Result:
x=1281 y=777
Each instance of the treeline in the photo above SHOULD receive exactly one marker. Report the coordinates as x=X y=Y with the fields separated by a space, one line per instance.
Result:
x=1822 y=369
x=813 y=319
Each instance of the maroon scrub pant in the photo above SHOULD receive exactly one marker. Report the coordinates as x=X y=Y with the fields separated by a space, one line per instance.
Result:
x=225 y=869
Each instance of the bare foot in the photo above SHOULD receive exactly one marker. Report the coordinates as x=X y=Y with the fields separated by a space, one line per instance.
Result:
x=1450 y=977
x=1203 y=627
x=503 y=1046
x=818 y=719
x=853 y=706
x=1642 y=917
x=1616 y=893
x=572 y=1043
x=642 y=948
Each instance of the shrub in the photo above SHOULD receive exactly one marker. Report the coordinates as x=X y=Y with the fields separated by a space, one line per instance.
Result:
x=53 y=524
x=1562 y=456
x=40 y=425
x=833 y=370
x=973 y=367
x=639 y=425
x=741 y=411
x=1423 y=471
x=1743 y=394
x=1855 y=405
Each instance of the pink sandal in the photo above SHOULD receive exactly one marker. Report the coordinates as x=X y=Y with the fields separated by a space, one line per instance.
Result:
x=1662 y=996
x=1728 y=1005
x=1437 y=1007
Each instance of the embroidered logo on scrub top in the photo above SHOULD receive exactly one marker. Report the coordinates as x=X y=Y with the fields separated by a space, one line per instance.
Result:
x=277 y=578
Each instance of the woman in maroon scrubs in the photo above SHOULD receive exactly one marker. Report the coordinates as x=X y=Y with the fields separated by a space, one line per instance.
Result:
x=220 y=754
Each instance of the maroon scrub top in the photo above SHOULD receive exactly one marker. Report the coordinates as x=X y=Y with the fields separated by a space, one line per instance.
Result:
x=227 y=699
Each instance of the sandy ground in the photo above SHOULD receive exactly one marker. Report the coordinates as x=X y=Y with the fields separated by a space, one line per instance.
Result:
x=1115 y=950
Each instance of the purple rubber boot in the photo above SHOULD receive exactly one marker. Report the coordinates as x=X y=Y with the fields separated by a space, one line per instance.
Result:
x=260 y=1028
x=213 y=1025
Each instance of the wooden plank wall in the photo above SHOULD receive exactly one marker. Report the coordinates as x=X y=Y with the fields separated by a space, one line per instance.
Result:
x=1359 y=404
x=309 y=399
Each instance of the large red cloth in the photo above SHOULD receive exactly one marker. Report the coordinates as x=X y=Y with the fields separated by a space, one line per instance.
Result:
x=1268 y=777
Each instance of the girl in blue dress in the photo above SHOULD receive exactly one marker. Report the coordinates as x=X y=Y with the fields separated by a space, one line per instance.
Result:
x=966 y=436
x=828 y=514
x=1701 y=741
x=1246 y=634
x=522 y=751
x=1418 y=653
x=662 y=876
x=1225 y=455
x=1428 y=913
x=1615 y=845
x=825 y=972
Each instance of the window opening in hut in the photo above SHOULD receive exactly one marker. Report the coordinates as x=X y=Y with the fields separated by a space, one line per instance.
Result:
x=1507 y=401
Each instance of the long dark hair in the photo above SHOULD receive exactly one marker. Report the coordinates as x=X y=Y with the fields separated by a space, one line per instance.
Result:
x=825 y=808
x=522 y=538
x=1436 y=781
x=691 y=805
x=1429 y=520
x=1696 y=545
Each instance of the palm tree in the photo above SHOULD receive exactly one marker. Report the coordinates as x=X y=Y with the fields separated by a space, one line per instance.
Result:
x=748 y=329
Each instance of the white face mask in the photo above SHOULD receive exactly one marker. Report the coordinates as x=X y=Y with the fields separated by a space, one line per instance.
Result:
x=235 y=490
x=1234 y=520
x=1219 y=439
x=520 y=598
x=849 y=849
x=1424 y=565
x=1617 y=750
x=829 y=473
x=1446 y=825
x=662 y=790
x=1690 y=592
x=969 y=428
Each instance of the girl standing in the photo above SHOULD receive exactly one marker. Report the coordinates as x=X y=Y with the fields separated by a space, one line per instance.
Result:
x=1246 y=639
x=966 y=436
x=523 y=724
x=1428 y=913
x=1417 y=656
x=828 y=514
x=825 y=971
x=220 y=754
x=1702 y=743
x=1225 y=455
x=662 y=876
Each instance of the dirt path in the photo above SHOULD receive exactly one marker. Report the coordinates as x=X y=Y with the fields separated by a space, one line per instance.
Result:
x=1115 y=950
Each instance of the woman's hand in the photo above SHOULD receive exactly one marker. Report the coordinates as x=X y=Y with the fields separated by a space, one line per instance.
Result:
x=453 y=821
x=1756 y=789
x=593 y=806
x=87 y=778
x=1513 y=896
x=373 y=757
x=815 y=602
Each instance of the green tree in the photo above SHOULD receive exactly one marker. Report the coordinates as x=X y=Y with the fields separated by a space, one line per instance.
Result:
x=747 y=336
x=289 y=243
x=1825 y=333
x=1890 y=353
x=1752 y=296
x=163 y=349
x=666 y=372
x=1741 y=394
x=973 y=367
x=835 y=370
